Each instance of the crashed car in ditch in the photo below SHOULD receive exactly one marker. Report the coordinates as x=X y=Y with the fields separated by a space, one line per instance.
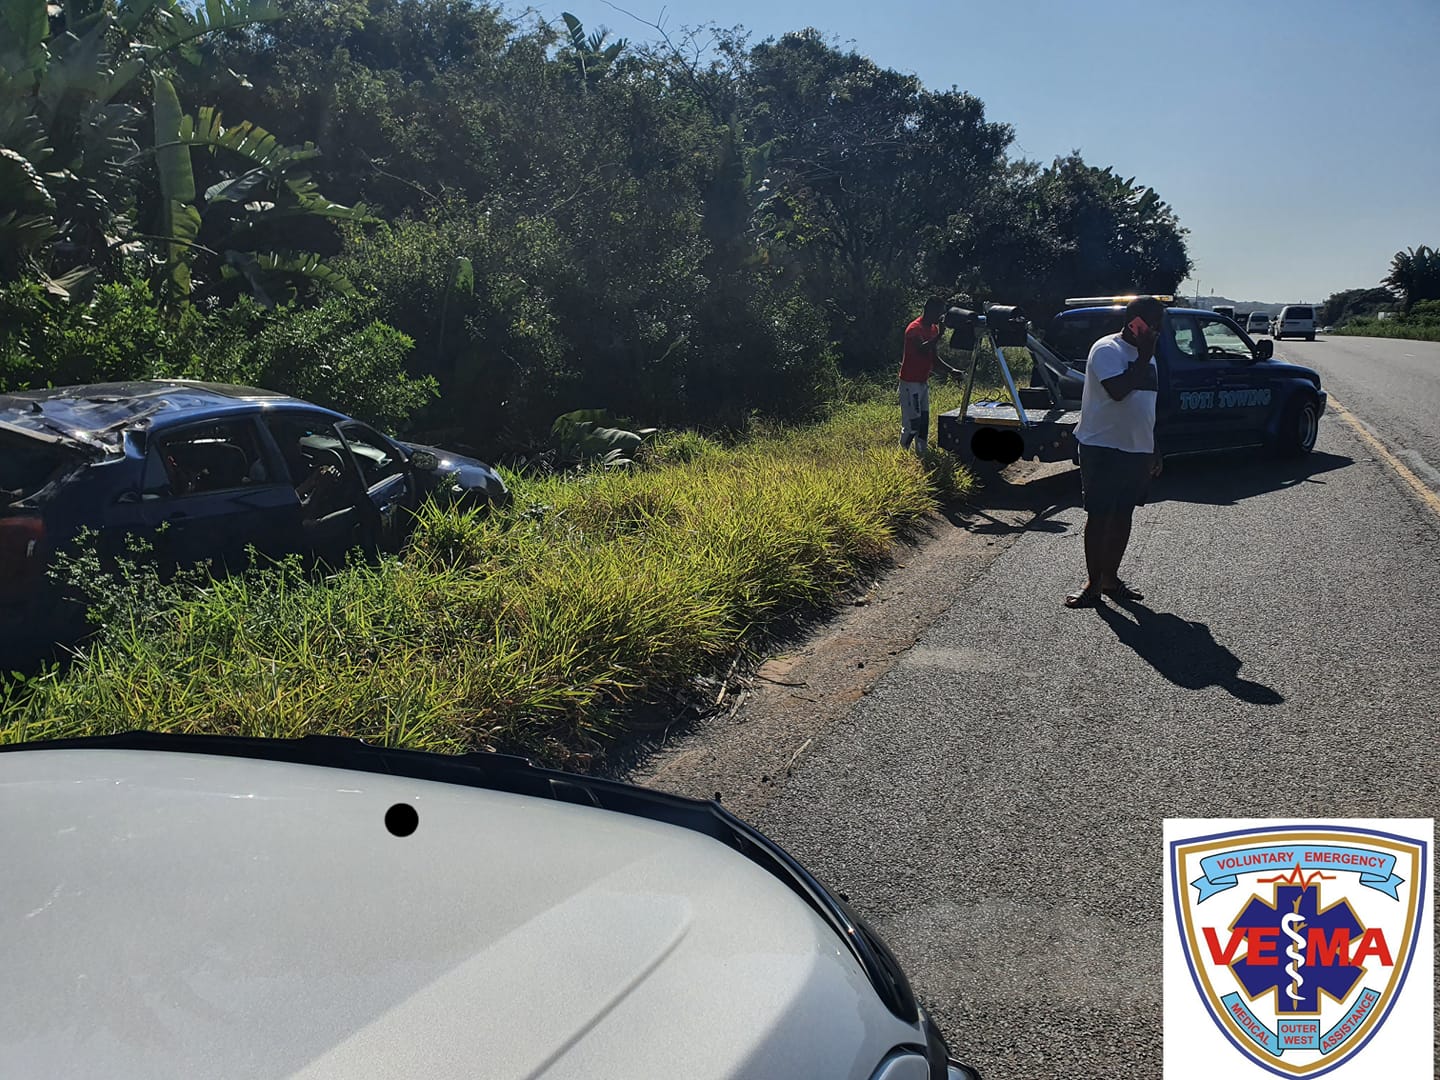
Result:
x=187 y=906
x=204 y=472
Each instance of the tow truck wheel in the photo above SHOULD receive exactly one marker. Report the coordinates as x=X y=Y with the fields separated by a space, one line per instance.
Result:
x=1300 y=427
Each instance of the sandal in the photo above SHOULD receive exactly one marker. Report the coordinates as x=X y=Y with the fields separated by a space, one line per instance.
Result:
x=1081 y=598
x=1121 y=591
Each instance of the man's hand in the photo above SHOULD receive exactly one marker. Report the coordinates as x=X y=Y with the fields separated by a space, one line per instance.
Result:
x=1143 y=375
x=1158 y=467
x=1139 y=375
x=1146 y=345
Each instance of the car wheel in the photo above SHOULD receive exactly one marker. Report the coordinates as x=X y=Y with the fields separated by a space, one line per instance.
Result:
x=1310 y=337
x=1299 y=427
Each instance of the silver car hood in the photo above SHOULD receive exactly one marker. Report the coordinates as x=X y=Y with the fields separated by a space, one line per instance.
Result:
x=190 y=915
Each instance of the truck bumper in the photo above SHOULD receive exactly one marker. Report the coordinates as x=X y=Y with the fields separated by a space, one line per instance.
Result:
x=976 y=441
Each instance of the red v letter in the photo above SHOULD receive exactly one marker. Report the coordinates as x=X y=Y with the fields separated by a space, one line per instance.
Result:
x=1212 y=942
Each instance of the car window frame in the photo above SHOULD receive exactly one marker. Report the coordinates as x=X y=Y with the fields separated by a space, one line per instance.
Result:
x=1204 y=318
x=1173 y=320
x=402 y=459
x=156 y=443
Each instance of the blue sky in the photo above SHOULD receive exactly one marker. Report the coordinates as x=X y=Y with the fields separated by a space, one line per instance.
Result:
x=1299 y=142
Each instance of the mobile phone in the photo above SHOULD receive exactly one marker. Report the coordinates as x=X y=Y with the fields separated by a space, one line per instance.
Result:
x=1139 y=327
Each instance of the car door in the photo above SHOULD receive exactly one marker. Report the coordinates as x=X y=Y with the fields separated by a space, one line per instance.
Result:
x=335 y=515
x=210 y=491
x=1187 y=386
x=391 y=489
x=1242 y=389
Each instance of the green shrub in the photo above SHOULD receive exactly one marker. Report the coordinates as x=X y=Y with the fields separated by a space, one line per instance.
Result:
x=338 y=355
x=116 y=334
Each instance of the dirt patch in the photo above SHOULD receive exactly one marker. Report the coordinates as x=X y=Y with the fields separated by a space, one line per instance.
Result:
x=768 y=717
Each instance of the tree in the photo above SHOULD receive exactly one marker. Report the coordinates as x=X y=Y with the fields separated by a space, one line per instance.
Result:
x=1415 y=275
x=865 y=167
x=1069 y=229
x=243 y=217
x=70 y=117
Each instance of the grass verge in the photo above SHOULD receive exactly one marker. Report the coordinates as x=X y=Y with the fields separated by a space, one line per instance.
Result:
x=527 y=630
x=1388 y=329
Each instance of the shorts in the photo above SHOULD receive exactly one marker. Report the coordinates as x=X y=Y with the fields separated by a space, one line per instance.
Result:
x=915 y=407
x=1114 y=481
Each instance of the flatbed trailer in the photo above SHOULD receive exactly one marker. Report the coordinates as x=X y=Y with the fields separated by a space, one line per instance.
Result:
x=1037 y=423
x=1218 y=389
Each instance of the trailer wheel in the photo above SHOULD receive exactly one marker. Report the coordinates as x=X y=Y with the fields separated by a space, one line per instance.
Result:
x=1299 y=427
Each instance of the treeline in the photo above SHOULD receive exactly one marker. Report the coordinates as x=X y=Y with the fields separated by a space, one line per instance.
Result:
x=1405 y=304
x=435 y=214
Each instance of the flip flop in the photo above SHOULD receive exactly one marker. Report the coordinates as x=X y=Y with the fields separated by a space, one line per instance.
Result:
x=1121 y=591
x=1081 y=598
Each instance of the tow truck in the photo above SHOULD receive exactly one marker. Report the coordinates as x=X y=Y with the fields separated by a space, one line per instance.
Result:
x=1218 y=388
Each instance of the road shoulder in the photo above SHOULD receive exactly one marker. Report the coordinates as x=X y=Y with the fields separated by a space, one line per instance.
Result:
x=768 y=717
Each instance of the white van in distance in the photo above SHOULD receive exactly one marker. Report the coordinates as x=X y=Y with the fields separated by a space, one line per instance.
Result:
x=1295 y=320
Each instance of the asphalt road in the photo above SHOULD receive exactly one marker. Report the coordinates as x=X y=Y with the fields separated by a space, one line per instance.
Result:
x=1393 y=386
x=995 y=804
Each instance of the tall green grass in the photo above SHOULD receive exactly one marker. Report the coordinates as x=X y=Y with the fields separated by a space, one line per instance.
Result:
x=1389 y=328
x=528 y=629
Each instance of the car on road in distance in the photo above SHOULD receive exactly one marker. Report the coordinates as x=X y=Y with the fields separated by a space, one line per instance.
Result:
x=1258 y=323
x=1295 y=320
x=203 y=472
x=321 y=907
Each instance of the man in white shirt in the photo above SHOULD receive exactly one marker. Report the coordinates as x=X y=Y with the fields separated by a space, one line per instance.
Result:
x=1116 y=434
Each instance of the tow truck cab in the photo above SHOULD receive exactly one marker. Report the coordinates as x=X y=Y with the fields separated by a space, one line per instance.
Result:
x=1218 y=389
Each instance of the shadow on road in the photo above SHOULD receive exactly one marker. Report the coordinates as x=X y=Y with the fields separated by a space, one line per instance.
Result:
x=1044 y=498
x=1184 y=652
x=1225 y=479
x=1220 y=479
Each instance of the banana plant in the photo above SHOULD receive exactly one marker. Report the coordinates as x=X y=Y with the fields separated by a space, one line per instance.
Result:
x=271 y=185
x=70 y=106
x=591 y=55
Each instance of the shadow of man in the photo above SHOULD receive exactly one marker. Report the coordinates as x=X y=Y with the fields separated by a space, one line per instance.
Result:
x=1043 y=498
x=1184 y=652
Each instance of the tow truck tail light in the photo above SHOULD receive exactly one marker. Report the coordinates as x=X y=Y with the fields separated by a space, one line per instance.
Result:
x=22 y=556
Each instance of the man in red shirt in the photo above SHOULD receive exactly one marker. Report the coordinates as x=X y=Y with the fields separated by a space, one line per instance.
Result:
x=922 y=339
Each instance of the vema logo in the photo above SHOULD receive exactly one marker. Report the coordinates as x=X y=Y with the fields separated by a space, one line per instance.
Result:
x=1299 y=938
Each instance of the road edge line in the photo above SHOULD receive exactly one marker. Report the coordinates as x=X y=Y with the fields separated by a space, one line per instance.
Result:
x=1427 y=495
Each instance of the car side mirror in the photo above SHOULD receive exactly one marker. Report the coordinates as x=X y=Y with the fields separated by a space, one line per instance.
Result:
x=424 y=461
x=1264 y=349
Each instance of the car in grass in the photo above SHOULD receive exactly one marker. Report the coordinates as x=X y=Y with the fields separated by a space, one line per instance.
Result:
x=204 y=472
x=189 y=905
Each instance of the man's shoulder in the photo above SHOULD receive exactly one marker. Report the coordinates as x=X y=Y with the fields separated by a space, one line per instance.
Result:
x=1114 y=342
x=917 y=325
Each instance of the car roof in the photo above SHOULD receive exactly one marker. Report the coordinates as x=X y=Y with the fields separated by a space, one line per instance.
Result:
x=99 y=407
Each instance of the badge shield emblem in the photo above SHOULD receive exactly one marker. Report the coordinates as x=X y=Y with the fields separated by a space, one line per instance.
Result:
x=1299 y=939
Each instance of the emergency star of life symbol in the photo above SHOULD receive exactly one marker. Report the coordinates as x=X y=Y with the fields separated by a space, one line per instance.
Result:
x=1299 y=939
